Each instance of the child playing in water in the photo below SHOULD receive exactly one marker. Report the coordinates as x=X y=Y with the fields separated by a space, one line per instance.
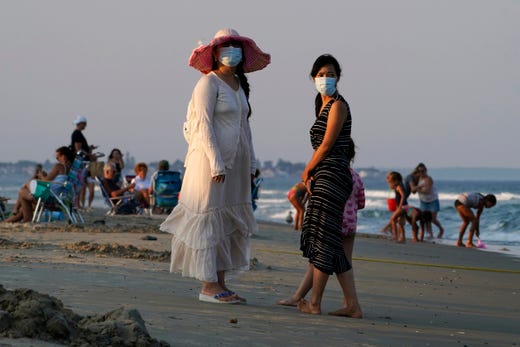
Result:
x=464 y=203
x=414 y=215
x=398 y=218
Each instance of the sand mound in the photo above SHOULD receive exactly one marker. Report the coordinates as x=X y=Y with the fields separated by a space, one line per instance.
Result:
x=117 y=250
x=27 y=313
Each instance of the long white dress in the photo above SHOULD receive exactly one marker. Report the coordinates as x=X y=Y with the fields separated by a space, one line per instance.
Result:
x=213 y=222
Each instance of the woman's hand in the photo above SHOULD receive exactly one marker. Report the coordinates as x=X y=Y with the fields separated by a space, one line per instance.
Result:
x=306 y=180
x=219 y=178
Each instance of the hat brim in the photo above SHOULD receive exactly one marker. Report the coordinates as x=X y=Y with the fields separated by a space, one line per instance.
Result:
x=253 y=58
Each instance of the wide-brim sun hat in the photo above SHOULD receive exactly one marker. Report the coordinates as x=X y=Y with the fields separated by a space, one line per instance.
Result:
x=253 y=59
x=79 y=119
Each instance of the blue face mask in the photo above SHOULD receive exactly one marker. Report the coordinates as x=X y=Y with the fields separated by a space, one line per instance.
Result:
x=325 y=85
x=230 y=56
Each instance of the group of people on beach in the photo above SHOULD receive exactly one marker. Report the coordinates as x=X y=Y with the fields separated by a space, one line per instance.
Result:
x=213 y=222
x=110 y=173
x=76 y=164
x=419 y=217
x=418 y=181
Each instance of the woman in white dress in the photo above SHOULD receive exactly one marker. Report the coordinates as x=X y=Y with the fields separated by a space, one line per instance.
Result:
x=214 y=219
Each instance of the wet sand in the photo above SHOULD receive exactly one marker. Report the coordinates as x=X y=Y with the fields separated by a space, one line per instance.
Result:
x=411 y=294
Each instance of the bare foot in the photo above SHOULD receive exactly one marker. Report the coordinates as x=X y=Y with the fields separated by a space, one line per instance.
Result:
x=347 y=312
x=288 y=302
x=386 y=230
x=441 y=232
x=306 y=307
x=460 y=244
x=470 y=245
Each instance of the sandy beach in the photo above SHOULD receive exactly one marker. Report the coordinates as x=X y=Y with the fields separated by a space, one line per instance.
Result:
x=412 y=294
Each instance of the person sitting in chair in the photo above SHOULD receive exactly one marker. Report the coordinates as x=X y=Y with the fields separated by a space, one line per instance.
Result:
x=111 y=185
x=125 y=202
x=141 y=184
x=58 y=175
x=163 y=165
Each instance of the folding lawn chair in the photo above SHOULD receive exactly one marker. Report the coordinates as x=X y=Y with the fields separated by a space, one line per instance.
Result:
x=120 y=205
x=63 y=198
x=110 y=202
x=166 y=186
x=51 y=199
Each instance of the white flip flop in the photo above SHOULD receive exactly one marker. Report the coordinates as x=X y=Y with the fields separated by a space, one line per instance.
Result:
x=215 y=299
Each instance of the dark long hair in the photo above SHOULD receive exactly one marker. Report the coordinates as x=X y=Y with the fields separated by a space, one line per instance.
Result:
x=351 y=150
x=244 y=84
x=111 y=155
x=67 y=152
x=321 y=61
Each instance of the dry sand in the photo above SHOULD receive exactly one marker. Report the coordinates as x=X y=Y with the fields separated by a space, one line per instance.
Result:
x=411 y=294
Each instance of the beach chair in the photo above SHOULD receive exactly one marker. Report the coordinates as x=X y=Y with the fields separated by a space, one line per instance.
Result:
x=166 y=186
x=61 y=199
x=119 y=205
x=110 y=202
x=54 y=203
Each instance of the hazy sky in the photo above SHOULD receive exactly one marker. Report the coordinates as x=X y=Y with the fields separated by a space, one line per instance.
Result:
x=431 y=81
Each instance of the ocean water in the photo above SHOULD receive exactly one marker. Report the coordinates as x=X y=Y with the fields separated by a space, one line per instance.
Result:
x=499 y=226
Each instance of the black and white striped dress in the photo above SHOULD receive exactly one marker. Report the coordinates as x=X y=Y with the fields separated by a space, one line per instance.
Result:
x=321 y=240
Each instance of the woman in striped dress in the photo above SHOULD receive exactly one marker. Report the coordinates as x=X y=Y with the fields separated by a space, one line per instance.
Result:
x=328 y=179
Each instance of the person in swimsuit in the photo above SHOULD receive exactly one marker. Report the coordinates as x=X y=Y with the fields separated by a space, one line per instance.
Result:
x=398 y=217
x=414 y=215
x=58 y=175
x=464 y=203
x=428 y=196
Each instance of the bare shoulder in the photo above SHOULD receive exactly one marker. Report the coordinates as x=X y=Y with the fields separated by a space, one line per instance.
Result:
x=339 y=106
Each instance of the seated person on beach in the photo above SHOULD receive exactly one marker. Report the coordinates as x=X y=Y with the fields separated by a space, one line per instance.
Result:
x=297 y=196
x=414 y=215
x=116 y=157
x=464 y=203
x=39 y=174
x=163 y=165
x=141 y=184
x=125 y=202
x=26 y=203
